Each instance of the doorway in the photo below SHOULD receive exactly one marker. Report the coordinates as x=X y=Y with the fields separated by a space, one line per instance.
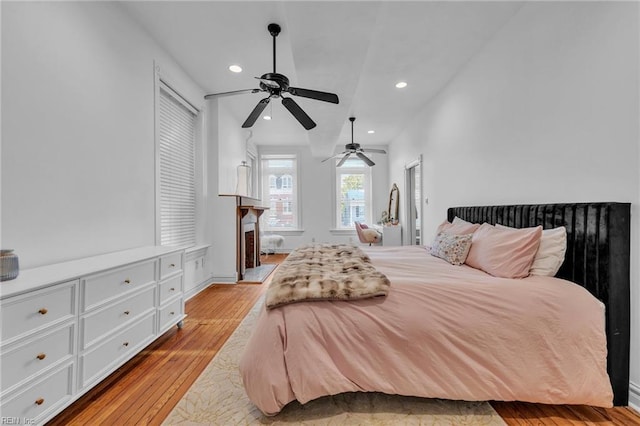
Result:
x=413 y=183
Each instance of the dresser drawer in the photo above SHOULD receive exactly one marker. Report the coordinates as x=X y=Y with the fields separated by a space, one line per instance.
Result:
x=22 y=361
x=171 y=314
x=170 y=288
x=170 y=264
x=112 y=353
x=42 y=398
x=102 y=321
x=28 y=313
x=104 y=287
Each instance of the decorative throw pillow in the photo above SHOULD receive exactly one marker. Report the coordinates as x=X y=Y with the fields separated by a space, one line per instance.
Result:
x=458 y=227
x=504 y=253
x=550 y=254
x=451 y=247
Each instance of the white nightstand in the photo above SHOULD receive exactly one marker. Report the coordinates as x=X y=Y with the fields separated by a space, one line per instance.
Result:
x=391 y=235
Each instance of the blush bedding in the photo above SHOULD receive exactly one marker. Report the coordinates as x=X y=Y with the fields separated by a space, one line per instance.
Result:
x=443 y=331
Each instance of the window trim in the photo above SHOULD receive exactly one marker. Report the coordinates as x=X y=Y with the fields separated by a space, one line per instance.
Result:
x=337 y=171
x=283 y=152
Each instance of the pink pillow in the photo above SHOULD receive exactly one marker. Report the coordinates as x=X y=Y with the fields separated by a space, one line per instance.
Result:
x=458 y=227
x=364 y=226
x=506 y=253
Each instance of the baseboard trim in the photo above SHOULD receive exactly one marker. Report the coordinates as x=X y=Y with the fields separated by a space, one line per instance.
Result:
x=224 y=280
x=634 y=396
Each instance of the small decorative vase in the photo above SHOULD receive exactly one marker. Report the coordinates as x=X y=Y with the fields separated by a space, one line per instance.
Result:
x=9 y=268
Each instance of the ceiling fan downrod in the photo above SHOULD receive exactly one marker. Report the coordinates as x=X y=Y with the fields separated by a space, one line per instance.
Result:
x=352 y=119
x=274 y=30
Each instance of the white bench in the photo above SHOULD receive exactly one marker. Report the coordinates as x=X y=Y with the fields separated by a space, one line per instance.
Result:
x=270 y=242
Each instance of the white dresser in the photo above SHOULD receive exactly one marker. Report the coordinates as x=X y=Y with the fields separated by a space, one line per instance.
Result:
x=67 y=326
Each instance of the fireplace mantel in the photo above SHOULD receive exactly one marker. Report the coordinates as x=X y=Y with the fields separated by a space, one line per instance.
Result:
x=248 y=213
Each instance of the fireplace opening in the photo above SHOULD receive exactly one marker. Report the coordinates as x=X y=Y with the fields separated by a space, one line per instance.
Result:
x=250 y=249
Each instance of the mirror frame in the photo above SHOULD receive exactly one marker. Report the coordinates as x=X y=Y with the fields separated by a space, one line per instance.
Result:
x=394 y=205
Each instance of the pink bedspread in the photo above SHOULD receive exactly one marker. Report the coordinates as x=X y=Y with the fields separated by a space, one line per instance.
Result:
x=443 y=331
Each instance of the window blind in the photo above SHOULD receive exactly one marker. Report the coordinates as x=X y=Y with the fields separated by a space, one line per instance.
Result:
x=177 y=171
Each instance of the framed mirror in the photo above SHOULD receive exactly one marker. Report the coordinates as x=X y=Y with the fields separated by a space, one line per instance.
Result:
x=394 y=202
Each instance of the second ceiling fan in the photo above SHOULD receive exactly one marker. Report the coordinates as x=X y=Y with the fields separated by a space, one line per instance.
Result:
x=354 y=148
x=276 y=85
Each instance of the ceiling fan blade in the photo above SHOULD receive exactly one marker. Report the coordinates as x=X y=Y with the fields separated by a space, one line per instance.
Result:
x=335 y=156
x=255 y=113
x=379 y=151
x=341 y=162
x=269 y=83
x=298 y=113
x=365 y=159
x=314 y=94
x=233 y=92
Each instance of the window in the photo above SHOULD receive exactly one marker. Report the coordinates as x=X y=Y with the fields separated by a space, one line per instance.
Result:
x=281 y=192
x=287 y=182
x=353 y=189
x=176 y=147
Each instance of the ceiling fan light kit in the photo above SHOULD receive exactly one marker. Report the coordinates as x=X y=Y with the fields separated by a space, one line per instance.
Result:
x=276 y=85
x=355 y=148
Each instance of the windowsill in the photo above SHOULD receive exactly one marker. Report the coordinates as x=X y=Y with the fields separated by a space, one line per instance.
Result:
x=342 y=231
x=284 y=232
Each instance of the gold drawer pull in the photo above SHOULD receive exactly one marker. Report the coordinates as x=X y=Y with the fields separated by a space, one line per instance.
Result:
x=39 y=401
x=43 y=311
x=127 y=312
x=127 y=281
x=173 y=265
x=125 y=344
x=41 y=356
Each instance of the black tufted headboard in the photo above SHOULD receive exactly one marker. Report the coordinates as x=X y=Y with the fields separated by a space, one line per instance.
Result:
x=597 y=258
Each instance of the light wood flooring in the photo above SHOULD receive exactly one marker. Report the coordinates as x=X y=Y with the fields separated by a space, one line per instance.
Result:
x=145 y=390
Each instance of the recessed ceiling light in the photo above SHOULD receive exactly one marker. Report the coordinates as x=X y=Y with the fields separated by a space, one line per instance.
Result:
x=267 y=117
x=371 y=131
x=401 y=84
x=235 y=68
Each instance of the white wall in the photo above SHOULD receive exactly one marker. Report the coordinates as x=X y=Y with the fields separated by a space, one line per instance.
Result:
x=547 y=112
x=226 y=150
x=78 y=129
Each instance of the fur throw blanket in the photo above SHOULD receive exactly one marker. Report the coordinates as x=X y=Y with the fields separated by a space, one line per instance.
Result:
x=325 y=272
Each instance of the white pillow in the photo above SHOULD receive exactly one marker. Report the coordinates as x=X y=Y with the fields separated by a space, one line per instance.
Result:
x=550 y=254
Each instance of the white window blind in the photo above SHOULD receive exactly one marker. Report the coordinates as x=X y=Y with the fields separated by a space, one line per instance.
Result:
x=177 y=170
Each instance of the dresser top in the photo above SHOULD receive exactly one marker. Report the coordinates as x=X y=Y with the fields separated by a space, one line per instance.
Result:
x=44 y=276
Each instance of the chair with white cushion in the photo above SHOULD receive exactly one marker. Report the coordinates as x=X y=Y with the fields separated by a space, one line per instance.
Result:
x=367 y=235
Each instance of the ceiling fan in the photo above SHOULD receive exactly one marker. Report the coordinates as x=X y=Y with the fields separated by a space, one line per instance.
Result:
x=354 y=148
x=277 y=85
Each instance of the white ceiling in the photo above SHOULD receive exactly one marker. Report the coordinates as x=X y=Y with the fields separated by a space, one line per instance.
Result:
x=358 y=50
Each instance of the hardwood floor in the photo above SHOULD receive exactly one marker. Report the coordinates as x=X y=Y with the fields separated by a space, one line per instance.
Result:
x=145 y=390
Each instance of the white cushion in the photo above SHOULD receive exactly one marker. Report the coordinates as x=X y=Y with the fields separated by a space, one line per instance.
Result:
x=371 y=235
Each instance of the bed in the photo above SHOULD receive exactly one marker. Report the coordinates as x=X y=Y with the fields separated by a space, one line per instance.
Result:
x=455 y=332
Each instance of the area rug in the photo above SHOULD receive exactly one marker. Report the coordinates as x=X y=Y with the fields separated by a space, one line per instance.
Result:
x=218 y=398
